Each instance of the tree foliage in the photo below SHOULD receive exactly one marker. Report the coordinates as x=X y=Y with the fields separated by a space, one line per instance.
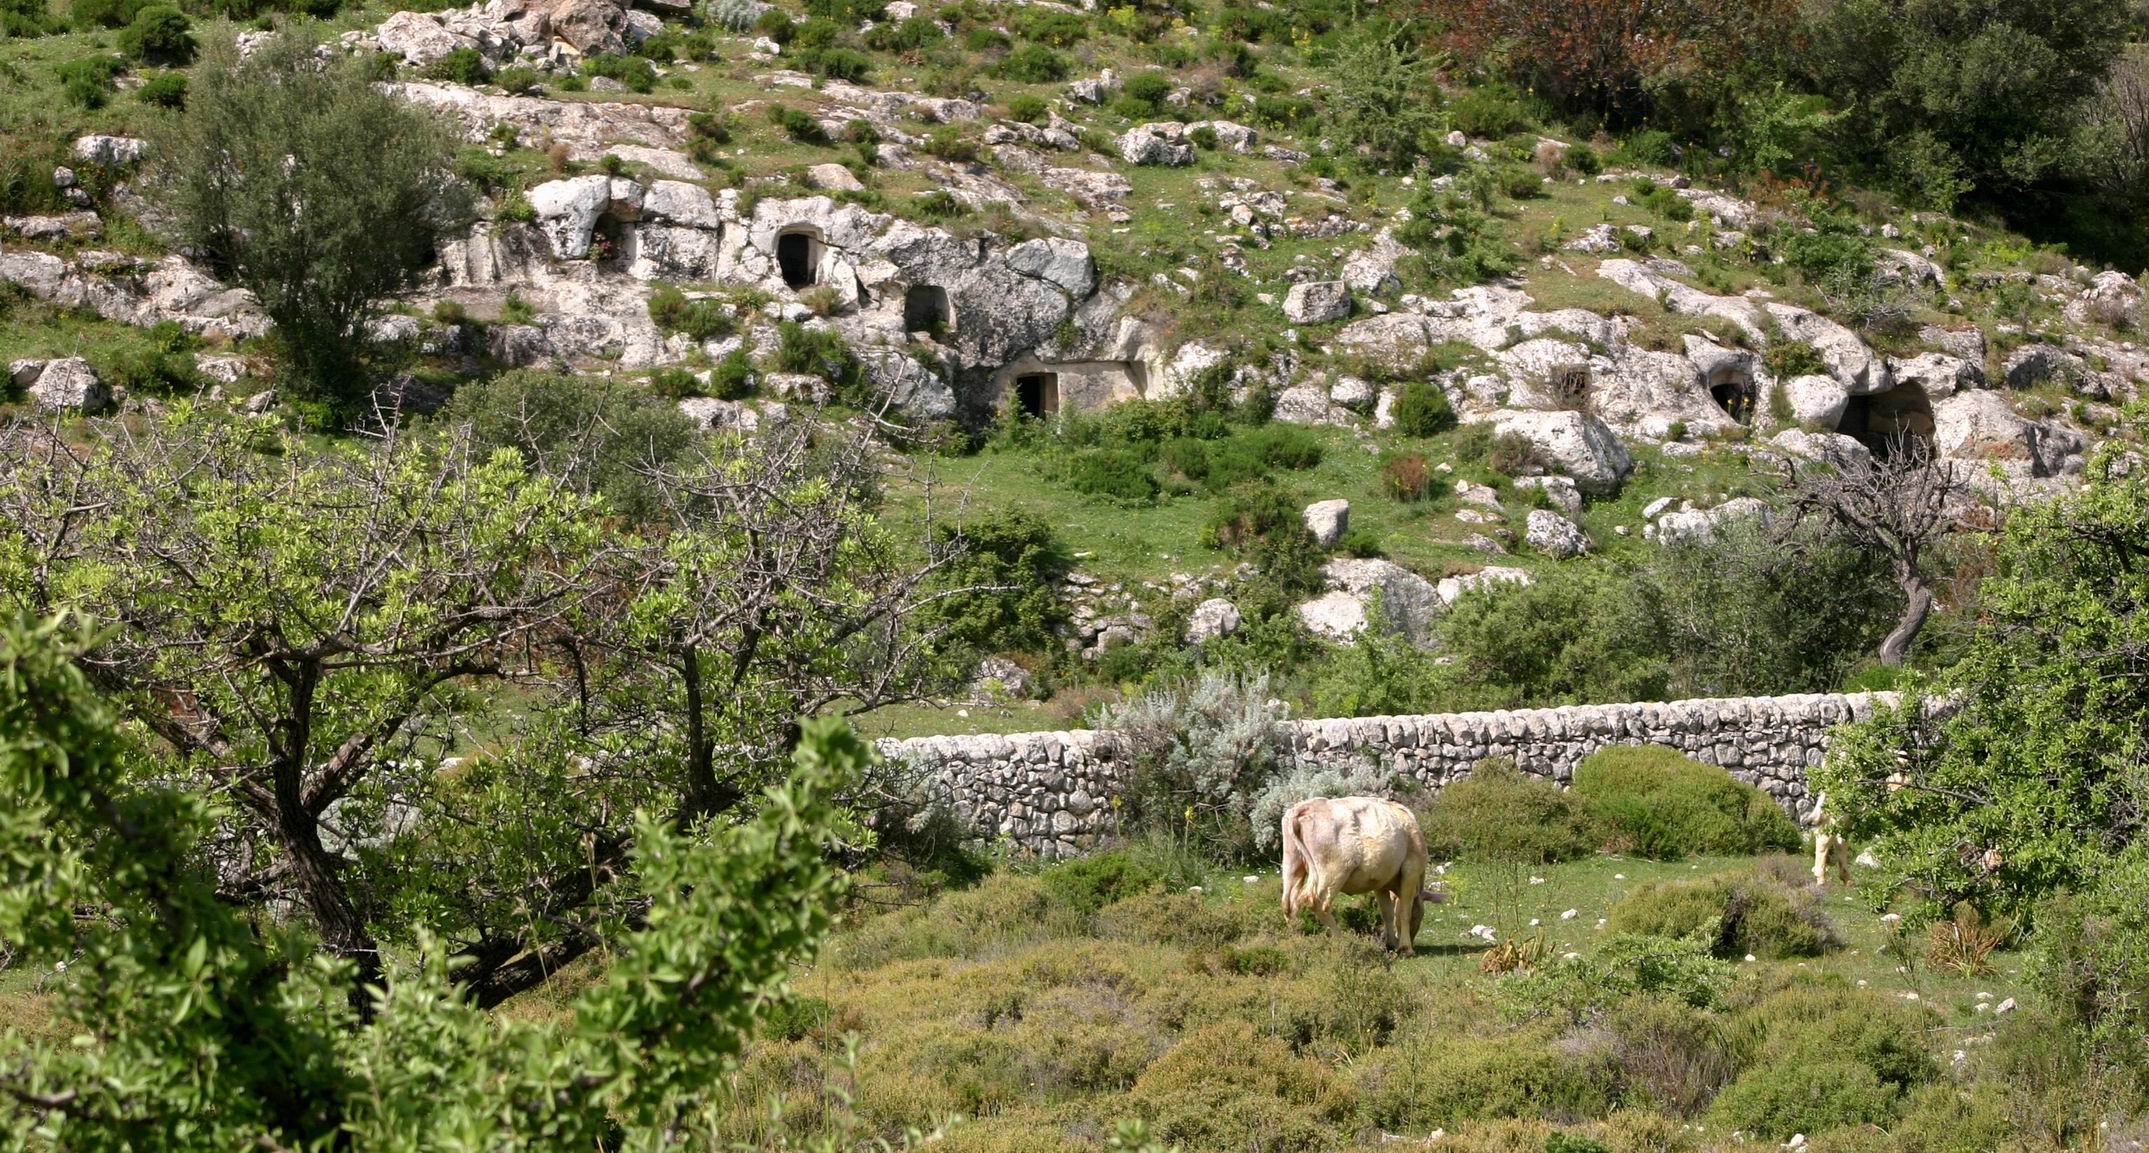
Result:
x=2022 y=774
x=300 y=181
x=205 y=1029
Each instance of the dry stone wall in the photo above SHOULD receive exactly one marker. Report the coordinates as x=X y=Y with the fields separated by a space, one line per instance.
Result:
x=1055 y=794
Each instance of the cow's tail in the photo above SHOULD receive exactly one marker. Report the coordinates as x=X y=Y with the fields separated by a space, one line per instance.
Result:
x=1299 y=886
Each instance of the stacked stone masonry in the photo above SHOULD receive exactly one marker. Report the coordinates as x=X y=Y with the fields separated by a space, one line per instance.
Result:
x=1054 y=794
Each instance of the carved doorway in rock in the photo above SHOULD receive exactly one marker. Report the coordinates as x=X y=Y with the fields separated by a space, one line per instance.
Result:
x=798 y=255
x=925 y=309
x=1038 y=393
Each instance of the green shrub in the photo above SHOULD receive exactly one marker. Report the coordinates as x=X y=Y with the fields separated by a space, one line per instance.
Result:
x=1791 y=358
x=1010 y=565
x=463 y=66
x=1775 y=1101
x=1204 y=138
x=1111 y=472
x=1454 y=1079
x=1225 y=1087
x=674 y=383
x=703 y=318
x=1033 y=64
x=795 y=1018
x=165 y=90
x=985 y=38
x=1408 y=476
x=87 y=80
x=1500 y=813
x=1663 y=805
x=1811 y=1022
x=732 y=377
x=1177 y=918
x=1735 y=916
x=1027 y=107
x=159 y=34
x=1050 y=26
x=798 y=124
x=1579 y=989
x=2090 y=960
x=777 y=25
x=636 y=72
x=26 y=19
x=1088 y=884
x=92 y=14
x=1671 y=1055
x=1652 y=147
x=907 y=35
x=1489 y=112
x=822 y=352
x=1200 y=753
x=1421 y=409
x=840 y=64
x=949 y=142
x=1252 y=513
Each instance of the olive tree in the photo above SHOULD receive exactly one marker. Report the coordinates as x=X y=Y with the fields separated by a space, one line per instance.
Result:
x=196 y=1026
x=299 y=180
x=295 y=625
x=2024 y=772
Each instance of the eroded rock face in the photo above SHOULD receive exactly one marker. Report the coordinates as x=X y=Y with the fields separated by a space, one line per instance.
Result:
x=567 y=212
x=1574 y=444
x=1408 y=602
x=1855 y=366
x=1938 y=374
x=1816 y=401
x=1317 y=302
x=1981 y=426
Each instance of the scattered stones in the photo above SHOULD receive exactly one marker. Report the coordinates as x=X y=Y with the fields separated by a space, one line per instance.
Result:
x=1701 y=525
x=110 y=151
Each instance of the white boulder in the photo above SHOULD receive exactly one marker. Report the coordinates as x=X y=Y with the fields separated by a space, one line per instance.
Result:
x=1328 y=520
x=1575 y=444
x=1317 y=302
x=1555 y=535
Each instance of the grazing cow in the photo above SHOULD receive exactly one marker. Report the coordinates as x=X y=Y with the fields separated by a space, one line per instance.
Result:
x=1829 y=845
x=1356 y=845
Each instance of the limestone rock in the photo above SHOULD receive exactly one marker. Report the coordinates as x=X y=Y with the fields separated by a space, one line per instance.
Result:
x=1555 y=535
x=590 y=25
x=2033 y=364
x=1212 y=618
x=70 y=385
x=1454 y=588
x=1160 y=144
x=1307 y=404
x=1816 y=401
x=23 y=373
x=999 y=678
x=1938 y=374
x=1065 y=264
x=1981 y=426
x=567 y=212
x=1409 y=603
x=1855 y=366
x=1701 y=525
x=1560 y=490
x=1371 y=270
x=1575 y=444
x=1832 y=447
x=1317 y=302
x=1328 y=520
x=717 y=415
x=833 y=178
x=110 y=151
x=1965 y=343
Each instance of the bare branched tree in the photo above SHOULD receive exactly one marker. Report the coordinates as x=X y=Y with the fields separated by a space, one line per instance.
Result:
x=1899 y=502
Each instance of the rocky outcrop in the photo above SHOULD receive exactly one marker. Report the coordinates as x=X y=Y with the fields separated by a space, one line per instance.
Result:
x=1573 y=444
x=131 y=291
x=1160 y=144
x=1328 y=520
x=1980 y=426
x=1050 y=794
x=1555 y=536
x=1408 y=603
x=1317 y=302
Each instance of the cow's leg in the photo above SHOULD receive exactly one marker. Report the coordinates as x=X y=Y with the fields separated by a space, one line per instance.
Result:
x=1821 y=841
x=1388 y=928
x=1323 y=914
x=1840 y=852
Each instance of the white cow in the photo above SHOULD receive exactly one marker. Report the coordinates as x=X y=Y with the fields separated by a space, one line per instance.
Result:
x=1356 y=845
x=1829 y=845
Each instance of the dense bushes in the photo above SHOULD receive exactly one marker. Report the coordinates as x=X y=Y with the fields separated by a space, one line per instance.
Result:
x=1658 y=803
x=1201 y=754
x=602 y=436
x=159 y=34
x=1499 y=813
x=1421 y=409
x=703 y=318
x=1752 y=915
x=1011 y=564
